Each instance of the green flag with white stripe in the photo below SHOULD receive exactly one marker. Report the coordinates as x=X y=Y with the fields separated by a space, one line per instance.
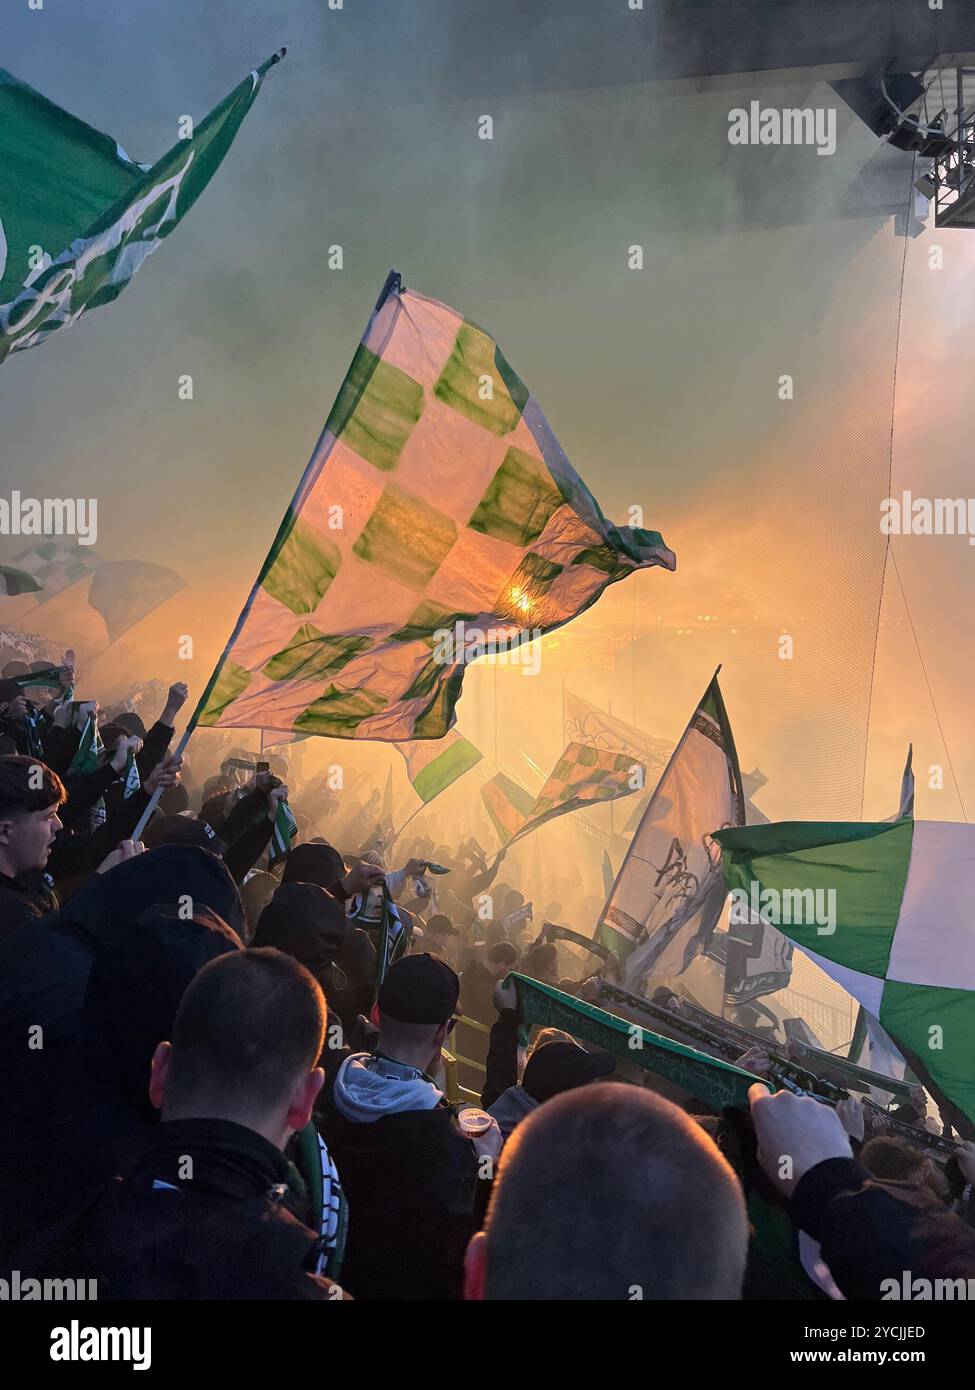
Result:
x=886 y=910
x=78 y=216
x=432 y=765
x=438 y=520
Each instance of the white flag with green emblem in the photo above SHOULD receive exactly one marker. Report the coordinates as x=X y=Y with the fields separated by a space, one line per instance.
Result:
x=438 y=513
x=886 y=910
x=78 y=216
x=669 y=893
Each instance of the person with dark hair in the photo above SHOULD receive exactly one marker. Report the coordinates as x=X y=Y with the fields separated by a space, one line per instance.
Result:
x=31 y=795
x=130 y=1002
x=541 y=962
x=477 y=1003
x=45 y=965
x=410 y=1173
x=564 y=1066
x=203 y=1213
x=644 y=1206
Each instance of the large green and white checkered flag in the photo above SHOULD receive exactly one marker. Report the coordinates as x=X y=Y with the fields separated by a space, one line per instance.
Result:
x=438 y=513
x=886 y=910
x=78 y=216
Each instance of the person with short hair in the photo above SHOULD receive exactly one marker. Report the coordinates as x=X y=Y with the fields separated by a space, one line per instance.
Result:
x=610 y=1192
x=31 y=795
x=410 y=1174
x=204 y=1212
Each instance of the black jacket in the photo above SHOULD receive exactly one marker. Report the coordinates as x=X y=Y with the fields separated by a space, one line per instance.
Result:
x=870 y=1231
x=44 y=969
x=201 y=1216
x=410 y=1180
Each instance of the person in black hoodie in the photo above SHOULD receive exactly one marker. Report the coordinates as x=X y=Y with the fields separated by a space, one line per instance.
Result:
x=130 y=1002
x=203 y=1214
x=870 y=1232
x=410 y=1174
x=44 y=968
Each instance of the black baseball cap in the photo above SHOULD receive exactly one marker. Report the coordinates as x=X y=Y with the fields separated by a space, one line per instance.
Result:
x=562 y=1066
x=440 y=925
x=419 y=989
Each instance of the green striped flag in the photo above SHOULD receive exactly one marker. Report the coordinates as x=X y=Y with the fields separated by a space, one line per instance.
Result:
x=432 y=766
x=89 y=746
x=78 y=216
x=131 y=781
x=437 y=519
x=285 y=830
x=886 y=910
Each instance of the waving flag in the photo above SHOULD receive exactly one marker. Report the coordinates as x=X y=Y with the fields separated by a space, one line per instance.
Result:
x=583 y=776
x=885 y=910
x=438 y=519
x=78 y=216
x=432 y=766
x=669 y=893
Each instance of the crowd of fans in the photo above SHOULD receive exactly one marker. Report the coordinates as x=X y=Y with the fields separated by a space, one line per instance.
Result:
x=223 y=1071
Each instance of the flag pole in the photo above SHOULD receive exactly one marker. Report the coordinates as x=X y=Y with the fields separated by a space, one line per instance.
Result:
x=393 y=284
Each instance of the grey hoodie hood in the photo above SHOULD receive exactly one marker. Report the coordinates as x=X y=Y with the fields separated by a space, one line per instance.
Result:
x=511 y=1107
x=367 y=1088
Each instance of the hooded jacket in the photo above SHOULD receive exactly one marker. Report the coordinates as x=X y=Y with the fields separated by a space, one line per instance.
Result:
x=226 y=1233
x=409 y=1175
x=44 y=968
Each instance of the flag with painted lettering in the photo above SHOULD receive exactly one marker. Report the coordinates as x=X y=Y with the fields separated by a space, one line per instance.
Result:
x=432 y=765
x=587 y=723
x=78 y=216
x=438 y=514
x=669 y=893
x=885 y=909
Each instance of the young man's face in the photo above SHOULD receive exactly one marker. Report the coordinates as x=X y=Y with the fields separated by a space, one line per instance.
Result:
x=26 y=840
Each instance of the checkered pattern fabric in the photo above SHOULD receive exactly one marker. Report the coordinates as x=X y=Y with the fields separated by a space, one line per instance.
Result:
x=56 y=564
x=437 y=494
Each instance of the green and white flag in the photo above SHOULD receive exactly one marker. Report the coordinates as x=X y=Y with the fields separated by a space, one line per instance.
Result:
x=131 y=781
x=438 y=520
x=669 y=893
x=432 y=766
x=89 y=746
x=886 y=910
x=78 y=216
x=285 y=830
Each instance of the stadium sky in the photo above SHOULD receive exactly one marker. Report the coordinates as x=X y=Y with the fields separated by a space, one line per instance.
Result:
x=662 y=384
